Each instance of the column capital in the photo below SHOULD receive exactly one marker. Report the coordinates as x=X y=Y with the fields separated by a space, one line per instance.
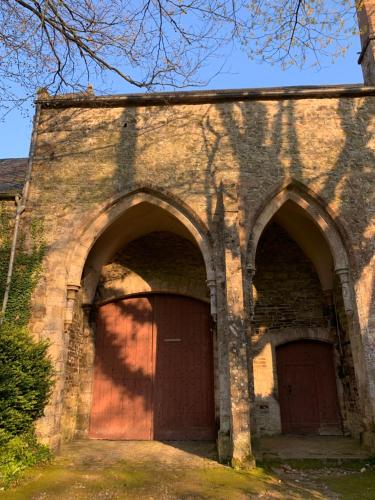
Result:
x=71 y=294
x=343 y=274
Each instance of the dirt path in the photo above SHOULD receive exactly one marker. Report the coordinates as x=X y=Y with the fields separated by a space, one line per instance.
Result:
x=154 y=470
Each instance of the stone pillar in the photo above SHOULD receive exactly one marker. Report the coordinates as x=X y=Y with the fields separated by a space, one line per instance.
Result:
x=71 y=296
x=366 y=20
x=235 y=332
x=362 y=350
x=86 y=371
x=211 y=283
x=248 y=293
x=329 y=308
x=343 y=275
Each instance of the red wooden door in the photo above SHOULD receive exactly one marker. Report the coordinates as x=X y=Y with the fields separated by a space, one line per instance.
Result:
x=123 y=373
x=183 y=403
x=307 y=388
x=153 y=376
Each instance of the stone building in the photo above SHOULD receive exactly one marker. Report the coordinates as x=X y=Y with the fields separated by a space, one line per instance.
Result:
x=209 y=258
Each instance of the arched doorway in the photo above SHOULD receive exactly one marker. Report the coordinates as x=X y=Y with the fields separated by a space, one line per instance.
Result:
x=142 y=352
x=153 y=376
x=307 y=388
x=298 y=300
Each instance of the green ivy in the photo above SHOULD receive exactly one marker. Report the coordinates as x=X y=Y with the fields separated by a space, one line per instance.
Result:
x=25 y=369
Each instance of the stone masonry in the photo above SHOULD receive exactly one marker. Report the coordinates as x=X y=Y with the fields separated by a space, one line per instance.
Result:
x=204 y=173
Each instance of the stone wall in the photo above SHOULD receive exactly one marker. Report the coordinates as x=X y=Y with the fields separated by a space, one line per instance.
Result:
x=218 y=165
x=157 y=262
x=287 y=292
x=78 y=346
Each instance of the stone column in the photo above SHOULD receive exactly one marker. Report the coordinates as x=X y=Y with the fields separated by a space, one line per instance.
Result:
x=366 y=20
x=343 y=275
x=71 y=296
x=211 y=283
x=235 y=330
x=362 y=351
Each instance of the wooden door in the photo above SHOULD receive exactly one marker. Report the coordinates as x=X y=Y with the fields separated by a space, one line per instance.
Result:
x=307 y=388
x=123 y=373
x=184 y=402
x=153 y=376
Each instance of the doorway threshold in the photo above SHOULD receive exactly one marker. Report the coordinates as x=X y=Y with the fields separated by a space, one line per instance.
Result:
x=290 y=447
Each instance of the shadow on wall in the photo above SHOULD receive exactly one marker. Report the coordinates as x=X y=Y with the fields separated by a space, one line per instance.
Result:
x=257 y=135
x=260 y=137
x=153 y=370
x=159 y=262
x=75 y=140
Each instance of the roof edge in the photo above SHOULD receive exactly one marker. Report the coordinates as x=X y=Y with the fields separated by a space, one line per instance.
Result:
x=204 y=96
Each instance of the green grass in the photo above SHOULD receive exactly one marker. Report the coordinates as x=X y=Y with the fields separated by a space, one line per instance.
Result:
x=353 y=486
x=17 y=454
x=135 y=480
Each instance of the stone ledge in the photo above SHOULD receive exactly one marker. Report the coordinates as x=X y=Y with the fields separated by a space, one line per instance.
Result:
x=85 y=100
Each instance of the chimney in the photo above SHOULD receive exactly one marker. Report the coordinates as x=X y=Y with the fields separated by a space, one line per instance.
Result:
x=366 y=20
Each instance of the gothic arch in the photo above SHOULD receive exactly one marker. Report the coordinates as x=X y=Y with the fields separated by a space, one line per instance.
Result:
x=313 y=209
x=91 y=227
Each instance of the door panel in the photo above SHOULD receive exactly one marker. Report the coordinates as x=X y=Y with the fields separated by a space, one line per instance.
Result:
x=307 y=388
x=184 y=406
x=122 y=393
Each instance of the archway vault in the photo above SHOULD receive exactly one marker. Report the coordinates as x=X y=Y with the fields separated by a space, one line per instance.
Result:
x=101 y=238
x=295 y=215
x=91 y=228
x=295 y=193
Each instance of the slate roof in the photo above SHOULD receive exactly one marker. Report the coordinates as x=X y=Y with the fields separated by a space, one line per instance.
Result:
x=12 y=176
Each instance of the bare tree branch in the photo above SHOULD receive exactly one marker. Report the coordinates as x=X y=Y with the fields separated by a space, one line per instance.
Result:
x=58 y=44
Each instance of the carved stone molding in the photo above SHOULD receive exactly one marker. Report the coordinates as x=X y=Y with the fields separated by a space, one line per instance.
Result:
x=343 y=274
x=250 y=269
x=211 y=283
x=71 y=296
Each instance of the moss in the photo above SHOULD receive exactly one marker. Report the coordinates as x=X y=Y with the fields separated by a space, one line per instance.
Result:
x=353 y=486
x=316 y=463
x=147 y=480
x=64 y=481
x=247 y=463
x=228 y=481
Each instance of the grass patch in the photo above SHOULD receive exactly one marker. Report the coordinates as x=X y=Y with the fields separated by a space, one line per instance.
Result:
x=17 y=454
x=144 y=480
x=353 y=486
x=315 y=463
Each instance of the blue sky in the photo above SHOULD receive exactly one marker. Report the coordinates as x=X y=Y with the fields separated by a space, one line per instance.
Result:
x=15 y=129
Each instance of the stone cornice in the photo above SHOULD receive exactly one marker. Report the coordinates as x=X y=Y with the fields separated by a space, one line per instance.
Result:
x=88 y=100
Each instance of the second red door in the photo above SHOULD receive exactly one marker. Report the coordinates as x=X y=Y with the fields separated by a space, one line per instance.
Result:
x=307 y=388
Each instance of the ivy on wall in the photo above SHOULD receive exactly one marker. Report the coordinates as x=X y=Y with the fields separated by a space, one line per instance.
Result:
x=25 y=370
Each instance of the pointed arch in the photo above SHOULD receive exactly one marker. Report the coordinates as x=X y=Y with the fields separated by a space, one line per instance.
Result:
x=301 y=196
x=89 y=229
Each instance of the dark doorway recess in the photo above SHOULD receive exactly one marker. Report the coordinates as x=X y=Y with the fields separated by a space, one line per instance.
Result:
x=307 y=388
x=153 y=376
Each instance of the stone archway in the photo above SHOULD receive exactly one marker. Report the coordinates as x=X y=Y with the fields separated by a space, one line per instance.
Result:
x=312 y=209
x=312 y=246
x=91 y=228
x=136 y=220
